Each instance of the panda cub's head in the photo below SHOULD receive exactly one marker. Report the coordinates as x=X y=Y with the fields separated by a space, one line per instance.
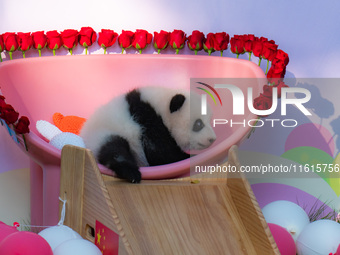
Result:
x=182 y=116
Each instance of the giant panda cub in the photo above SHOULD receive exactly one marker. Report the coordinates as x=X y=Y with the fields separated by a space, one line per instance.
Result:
x=147 y=126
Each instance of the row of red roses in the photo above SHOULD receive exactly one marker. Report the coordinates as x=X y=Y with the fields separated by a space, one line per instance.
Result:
x=69 y=38
x=140 y=39
x=263 y=49
x=279 y=61
x=11 y=117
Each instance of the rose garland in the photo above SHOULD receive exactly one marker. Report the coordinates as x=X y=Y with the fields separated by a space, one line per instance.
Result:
x=11 y=117
x=260 y=47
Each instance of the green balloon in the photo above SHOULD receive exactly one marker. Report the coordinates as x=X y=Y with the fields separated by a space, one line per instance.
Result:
x=316 y=160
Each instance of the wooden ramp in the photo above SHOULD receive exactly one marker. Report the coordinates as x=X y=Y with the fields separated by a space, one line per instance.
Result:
x=180 y=216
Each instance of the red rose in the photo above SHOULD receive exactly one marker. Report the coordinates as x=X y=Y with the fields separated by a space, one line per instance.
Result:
x=2 y=46
x=8 y=114
x=262 y=103
x=279 y=87
x=141 y=39
x=268 y=91
x=209 y=43
x=195 y=41
x=125 y=39
x=2 y=102
x=283 y=56
x=273 y=73
x=22 y=126
x=275 y=76
x=10 y=41
x=69 y=38
x=87 y=36
x=248 y=46
x=161 y=40
x=177 y=40
x=248 y=42
x=237 y=45
x=107 y=38
x=269 y=51
x=54 y=41
x=257 y=47
x=278 y=65
x=221 y=41
x=39 y=40
x=25 y=41
x=262 y=39
x=249 y=37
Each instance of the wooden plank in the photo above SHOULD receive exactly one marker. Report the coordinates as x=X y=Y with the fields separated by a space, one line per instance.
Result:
x=179 y=218
x=71 y=186
x=98 y=205
x=86 y=194
x=249 y=210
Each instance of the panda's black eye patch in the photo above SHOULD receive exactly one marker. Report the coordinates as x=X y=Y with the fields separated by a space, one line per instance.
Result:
x=198 y=125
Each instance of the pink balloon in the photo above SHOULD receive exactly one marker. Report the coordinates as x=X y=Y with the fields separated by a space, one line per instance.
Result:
x=338 y=250
x=25 y=243
x=6 y=230
x=301 y=136
x=283 y=239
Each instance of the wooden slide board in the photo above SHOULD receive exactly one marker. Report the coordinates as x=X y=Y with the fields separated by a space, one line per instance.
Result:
x=178 y=216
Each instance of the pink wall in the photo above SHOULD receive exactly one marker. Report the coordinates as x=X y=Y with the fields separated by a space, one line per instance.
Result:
x=11 y=156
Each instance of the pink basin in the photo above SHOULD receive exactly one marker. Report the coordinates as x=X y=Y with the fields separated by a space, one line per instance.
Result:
x=77 y=85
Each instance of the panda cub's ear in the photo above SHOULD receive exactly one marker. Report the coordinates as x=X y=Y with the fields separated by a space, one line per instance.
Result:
x=176 y=102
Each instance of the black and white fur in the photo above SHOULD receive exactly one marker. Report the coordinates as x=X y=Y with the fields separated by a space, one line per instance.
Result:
x=147 y=127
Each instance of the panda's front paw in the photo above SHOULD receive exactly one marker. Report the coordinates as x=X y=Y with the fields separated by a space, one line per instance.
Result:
x=129 y=172
x=134 y=176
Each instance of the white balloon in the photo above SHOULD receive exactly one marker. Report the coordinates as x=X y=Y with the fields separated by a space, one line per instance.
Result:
x=287 y=215
x=77 y=247
x=58 y=234
x=319 y=237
